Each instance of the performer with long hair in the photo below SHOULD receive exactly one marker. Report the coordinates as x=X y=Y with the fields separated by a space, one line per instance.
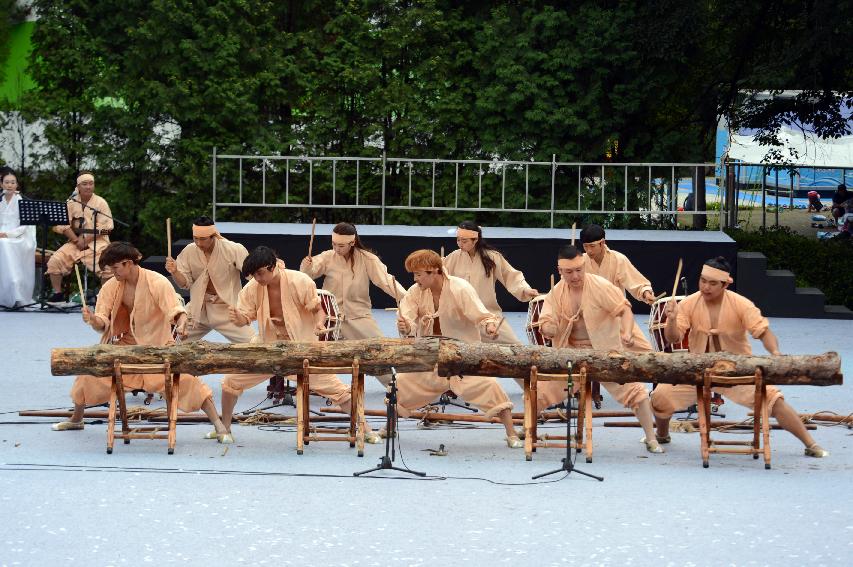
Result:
x=348 y=269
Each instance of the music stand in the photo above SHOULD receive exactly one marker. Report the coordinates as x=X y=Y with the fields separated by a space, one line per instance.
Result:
x=386 y=462
x=568 y=466
x=44 y=214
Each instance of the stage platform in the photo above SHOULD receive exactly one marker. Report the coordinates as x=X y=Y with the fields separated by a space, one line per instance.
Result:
x=532 y=250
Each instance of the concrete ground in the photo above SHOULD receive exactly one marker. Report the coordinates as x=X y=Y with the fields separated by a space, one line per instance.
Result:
x=65 y=501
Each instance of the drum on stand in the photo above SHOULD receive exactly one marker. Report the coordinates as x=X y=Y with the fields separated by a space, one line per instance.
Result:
x=334 y=319
x=534 y=311
x=657 y=324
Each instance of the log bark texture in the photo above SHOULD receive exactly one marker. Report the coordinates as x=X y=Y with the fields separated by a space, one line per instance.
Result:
x=377 y=356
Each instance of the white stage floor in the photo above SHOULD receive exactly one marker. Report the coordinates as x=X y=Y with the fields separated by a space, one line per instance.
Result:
x=66 y=502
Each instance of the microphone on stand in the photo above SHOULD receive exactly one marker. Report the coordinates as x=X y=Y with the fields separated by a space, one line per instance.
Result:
x=73 y=195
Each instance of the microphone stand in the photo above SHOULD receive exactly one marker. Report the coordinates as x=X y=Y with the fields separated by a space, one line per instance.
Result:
x=568 y=465
x=386 y=461
x=95 y=213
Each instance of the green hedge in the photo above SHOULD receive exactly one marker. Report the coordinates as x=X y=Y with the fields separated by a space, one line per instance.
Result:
x=824 y=264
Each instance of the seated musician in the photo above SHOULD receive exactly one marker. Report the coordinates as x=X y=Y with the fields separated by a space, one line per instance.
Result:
x=718 y=320
x=438 y=304
x=285 y=304
x=587 y=311
x=86 y=242
x=137 y=306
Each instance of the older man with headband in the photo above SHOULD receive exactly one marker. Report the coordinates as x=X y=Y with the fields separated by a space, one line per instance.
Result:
x=85 y=240
x=718 y=320
x=210 y=268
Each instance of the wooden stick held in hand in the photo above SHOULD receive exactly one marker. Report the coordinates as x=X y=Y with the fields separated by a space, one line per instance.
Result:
x=80 y=284
x=574 y=226
x=677 y=277
x=311 y=242
x=169 y=237
x=552 y=282
x=394 y=289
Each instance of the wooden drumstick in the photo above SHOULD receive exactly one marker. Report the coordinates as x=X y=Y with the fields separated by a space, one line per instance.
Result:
x=394 y=288
x=442 y=254
x=574 y=225
x=311 y=242
x=677 y=277
x=552 y=282
x=169 y=237
x=498 y=328
x=80 y=284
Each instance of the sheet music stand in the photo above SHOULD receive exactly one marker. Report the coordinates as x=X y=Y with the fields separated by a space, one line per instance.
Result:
x=44 y=214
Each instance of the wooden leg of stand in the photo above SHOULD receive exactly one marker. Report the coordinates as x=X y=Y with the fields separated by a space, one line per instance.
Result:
x=300 y=410
x=528 y=417
x=306 y=402
x=172 y=407
x=122 y=408
x=756 y=420
x=587 y=422
x=362 y=422
x=703 y=425
x=534 y=414
x=111 y=416
x=765 y=422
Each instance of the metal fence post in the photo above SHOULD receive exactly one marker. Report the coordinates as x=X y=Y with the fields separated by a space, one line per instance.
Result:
x=213 y=169
x=382 y=214
x=553 y=176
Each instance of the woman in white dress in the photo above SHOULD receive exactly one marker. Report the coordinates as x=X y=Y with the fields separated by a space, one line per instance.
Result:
x=17 y=247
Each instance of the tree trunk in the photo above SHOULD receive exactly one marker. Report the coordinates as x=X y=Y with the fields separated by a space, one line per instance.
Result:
x=378 y=356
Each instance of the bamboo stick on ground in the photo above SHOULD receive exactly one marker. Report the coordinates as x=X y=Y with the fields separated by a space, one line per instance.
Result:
x=695 y=423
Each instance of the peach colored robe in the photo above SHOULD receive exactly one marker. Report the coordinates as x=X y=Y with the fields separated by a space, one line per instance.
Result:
x=222 y=269
x=155 y=308
x=299 y=302
x=62 y=261
x=602 y=305
x=471 y=269
x=616 y=268
x=351 y=287
x=461 y=314
x=738 y=316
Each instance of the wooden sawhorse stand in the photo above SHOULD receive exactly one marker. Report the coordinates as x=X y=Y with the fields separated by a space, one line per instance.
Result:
x=761 y=418
x=305 y=433
x=172 y=383
x=583 y=435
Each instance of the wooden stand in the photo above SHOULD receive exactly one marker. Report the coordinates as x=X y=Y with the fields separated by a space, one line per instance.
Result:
x=583 y=436
x=305 y=433
x=761 y=420
x=172 y=383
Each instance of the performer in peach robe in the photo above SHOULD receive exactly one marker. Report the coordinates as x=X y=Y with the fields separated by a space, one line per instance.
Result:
x=587 y=311
x=285 y=305
x=137 y=306
x=210 y=268
x=348 y=269
x=481 y=265
x=718 y=320
x=81 y=247
x=438 y=304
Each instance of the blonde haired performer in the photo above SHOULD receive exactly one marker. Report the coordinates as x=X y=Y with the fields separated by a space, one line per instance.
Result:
x=587 y=311
x=84 y=239
x=718 y=320
x=137 y=306
x=481 y=265
x=438 y=304
x=285 y=304
x=348 y=269
x=210 y=268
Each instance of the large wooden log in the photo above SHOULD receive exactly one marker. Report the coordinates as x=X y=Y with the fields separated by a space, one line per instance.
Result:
x=377 y=356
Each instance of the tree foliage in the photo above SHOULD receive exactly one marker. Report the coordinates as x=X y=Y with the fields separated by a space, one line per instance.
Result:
x=142 y=92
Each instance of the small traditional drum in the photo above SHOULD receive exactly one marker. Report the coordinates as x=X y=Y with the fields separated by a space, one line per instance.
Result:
x=334 y=318
x=657 y=323
x=534 y=310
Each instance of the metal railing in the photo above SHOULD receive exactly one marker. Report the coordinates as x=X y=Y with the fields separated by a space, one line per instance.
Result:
x=559 y=188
